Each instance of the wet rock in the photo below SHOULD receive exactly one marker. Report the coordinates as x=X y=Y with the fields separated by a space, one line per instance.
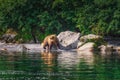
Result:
x=118 y=49
x=87 y=47
x=68 y=39
x=102 y=49
x=32 y=47
x=90 y=40
x=21 y=47
x=113 y=43
x=80 y=44
x=12 y=47
x=108 y=48
x=89 y=37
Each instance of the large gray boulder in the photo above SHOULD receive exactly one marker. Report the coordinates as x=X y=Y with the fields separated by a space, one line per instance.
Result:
x=68 y=40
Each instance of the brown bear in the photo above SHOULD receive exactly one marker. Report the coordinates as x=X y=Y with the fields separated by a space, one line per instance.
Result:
x=50 y=41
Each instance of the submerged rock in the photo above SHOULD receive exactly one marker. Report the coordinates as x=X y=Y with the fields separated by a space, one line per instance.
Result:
x=118 y=49
x=102 y=48
x=68 y=39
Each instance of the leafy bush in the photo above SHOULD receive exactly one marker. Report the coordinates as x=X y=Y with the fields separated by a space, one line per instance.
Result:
x=35 y=19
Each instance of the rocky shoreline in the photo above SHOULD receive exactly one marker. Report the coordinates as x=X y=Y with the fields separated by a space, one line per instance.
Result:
x=69 y=41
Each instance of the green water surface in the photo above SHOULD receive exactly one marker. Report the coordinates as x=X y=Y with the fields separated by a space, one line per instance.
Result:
x=65 y=65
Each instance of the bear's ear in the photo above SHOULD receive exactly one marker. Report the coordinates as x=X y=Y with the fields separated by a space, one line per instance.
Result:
x=53 y=35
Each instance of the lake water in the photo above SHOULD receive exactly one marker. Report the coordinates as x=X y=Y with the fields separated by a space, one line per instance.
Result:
x=64 y=65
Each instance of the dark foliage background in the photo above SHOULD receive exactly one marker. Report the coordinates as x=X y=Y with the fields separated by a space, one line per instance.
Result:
x=34 y=19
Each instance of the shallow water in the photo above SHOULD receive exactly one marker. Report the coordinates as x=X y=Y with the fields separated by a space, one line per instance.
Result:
x=63 y=65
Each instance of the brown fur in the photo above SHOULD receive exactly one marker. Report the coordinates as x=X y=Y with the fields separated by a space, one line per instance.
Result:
x=50 y=41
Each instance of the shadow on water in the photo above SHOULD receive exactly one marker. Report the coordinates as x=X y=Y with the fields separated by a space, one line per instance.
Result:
x=65 y=65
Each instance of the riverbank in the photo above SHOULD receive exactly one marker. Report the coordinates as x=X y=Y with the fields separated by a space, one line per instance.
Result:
x=38 y=48
x=72 y=41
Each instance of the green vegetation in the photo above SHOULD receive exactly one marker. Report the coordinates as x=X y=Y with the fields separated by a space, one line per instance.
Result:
x=34 y=19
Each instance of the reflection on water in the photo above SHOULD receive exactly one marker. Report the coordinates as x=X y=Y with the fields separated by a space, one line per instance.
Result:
x=65 y=65
x=67 y=60
x=49 y=59
x=87 y=57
